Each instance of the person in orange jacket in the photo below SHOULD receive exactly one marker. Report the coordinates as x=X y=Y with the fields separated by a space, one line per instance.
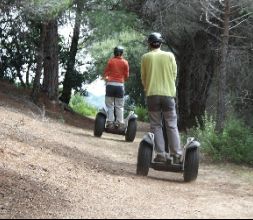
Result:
x=115 y=75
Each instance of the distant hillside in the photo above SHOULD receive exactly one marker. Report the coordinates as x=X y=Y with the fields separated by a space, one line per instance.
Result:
x=95 y=101
x=96 y=93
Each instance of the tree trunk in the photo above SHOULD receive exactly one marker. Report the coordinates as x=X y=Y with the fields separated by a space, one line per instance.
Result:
x=19 y=75
x=221 y=108
x=40 y=57
x=68 y=81
x=27 y=81
x=1 y=70
x=51 y=66
x=195 y=76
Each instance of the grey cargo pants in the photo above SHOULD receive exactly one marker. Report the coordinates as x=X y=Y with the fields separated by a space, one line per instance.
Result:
x=118 y=103
x=115 y=99
x=167 y=106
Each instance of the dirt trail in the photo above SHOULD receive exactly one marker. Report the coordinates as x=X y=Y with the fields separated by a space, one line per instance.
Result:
x=49 y=169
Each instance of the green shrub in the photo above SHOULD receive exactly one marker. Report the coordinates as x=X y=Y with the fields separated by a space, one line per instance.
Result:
x=142 y=114
x=237 y=142
x=79 y=105
x=234 y=144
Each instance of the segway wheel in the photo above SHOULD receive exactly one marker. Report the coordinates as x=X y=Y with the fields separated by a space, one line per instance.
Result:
x=144 y=159
x=191 y=167
x=131 y=131
x=99 y=125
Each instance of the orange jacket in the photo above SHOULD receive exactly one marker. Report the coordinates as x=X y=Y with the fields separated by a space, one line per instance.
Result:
x=117 y=70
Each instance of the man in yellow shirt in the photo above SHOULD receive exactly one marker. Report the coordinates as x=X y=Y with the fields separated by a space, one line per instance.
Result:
x=159 y=73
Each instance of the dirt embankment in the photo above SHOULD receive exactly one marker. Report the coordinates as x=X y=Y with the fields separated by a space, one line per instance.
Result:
x=56 y=168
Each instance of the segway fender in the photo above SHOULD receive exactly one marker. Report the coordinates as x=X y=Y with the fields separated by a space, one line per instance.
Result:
x=103 y=112
x=149 y=139
x=192 y=144
x=131 y=116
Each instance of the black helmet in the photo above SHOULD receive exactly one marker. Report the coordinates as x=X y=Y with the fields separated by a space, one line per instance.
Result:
x=118 y=51
x=155 y=39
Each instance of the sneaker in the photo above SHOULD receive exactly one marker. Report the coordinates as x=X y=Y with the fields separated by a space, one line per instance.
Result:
x=168 y=157
x=177 y=159
x=160 y=158
x=110 y=125
x=120 y=126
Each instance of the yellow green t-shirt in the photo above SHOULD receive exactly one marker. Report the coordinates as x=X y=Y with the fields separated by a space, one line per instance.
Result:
x=159 y=73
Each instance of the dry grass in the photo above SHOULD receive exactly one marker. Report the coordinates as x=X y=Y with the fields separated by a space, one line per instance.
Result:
x=53 y=167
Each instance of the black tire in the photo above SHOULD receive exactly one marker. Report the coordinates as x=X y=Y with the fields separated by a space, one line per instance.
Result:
x=144 y=159
x=131 y=130
x=191 y=167
x=99 y=125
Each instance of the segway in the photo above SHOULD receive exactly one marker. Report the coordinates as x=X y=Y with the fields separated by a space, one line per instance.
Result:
x=188 y=166
x=129 y=130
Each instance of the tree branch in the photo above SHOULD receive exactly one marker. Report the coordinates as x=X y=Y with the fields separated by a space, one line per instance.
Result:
x=216 y=9
x=211 y=23
x=213 y=35
x=232 y=27
x=239 y=18
x=215 y=16
x=221 y=3
x=234 y=36
x=235 y=6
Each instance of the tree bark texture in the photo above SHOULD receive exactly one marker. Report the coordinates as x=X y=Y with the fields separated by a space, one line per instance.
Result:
x=39 y=60
x=51 y=61
x=221 y=108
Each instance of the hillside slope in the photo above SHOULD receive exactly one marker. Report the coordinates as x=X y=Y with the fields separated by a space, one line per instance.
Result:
x=55 y=168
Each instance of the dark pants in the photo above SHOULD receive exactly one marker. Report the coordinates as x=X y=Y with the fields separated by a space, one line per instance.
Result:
x=115 y=91
x=158 y=105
